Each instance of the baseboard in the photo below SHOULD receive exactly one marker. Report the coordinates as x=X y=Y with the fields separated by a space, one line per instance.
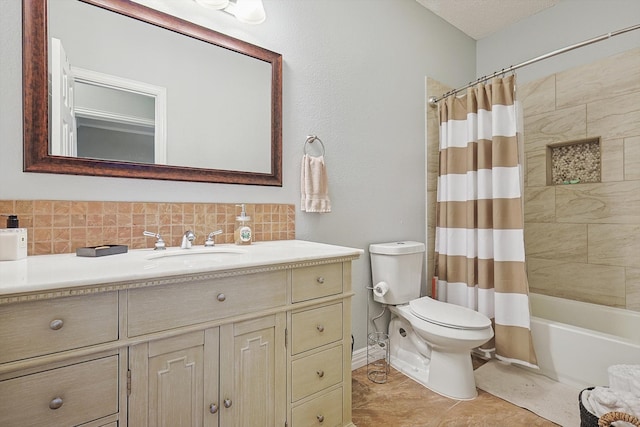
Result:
x=359 y=358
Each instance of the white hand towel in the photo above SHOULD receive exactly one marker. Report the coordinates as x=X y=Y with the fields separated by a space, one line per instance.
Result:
x=313 y=185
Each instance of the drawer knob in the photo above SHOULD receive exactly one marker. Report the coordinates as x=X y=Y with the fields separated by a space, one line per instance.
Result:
x=320 y=328
x=320 y=280
x=56 y=324
x=55 y=403
x=221 y=297
x=213 y=408
x=320 y=373
x=320 y=418
x=227 y=403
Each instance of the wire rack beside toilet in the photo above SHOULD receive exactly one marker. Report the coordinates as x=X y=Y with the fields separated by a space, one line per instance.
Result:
x=378 y=357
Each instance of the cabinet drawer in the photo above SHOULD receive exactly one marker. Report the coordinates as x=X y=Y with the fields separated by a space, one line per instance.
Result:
x=171 y=306
x=315 y=282
x=315 y=327
x=48 y=326
x=325 y=411
x=65 y=396
x=316 y=372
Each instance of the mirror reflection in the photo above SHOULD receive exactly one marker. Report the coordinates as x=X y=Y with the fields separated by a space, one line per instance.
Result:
x=218 y=103
x=115 y=124
x=138 y=93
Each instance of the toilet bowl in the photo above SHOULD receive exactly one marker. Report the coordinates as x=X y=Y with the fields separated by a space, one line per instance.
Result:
x=430 y=341
x=440 y=352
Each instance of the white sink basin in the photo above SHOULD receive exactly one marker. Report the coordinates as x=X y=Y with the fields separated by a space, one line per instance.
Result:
x=194 y=257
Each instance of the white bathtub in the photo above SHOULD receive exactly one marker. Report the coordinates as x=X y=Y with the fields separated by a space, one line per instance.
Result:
x=576 y=342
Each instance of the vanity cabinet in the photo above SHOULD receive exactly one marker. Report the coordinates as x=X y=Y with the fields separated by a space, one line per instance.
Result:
x=56 y=387
x=223 y=376
x=266 y=344
x=320 y=351
x=69 y=395
x=37 y=328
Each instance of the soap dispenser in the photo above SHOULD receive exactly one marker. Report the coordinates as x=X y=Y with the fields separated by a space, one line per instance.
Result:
x=243 y=234
x=13 y=240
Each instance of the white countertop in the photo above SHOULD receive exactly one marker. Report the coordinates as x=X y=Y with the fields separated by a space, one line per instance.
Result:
x=46 y=273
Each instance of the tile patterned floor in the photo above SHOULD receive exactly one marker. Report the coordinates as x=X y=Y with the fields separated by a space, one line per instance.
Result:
x=402 y=402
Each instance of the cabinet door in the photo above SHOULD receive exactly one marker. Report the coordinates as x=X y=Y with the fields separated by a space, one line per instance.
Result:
x=253 y=373
x=174 y=381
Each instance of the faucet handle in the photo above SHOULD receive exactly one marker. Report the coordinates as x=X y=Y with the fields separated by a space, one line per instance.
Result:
x=159 y=245
x=210 y=242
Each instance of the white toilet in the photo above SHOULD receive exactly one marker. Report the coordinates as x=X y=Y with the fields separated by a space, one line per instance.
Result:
x=430 y=340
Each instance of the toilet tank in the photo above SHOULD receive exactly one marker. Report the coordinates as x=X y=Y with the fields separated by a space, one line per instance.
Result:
x=399 y=265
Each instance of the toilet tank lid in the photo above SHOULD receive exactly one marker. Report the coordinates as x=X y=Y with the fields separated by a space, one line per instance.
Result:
x=396 y=248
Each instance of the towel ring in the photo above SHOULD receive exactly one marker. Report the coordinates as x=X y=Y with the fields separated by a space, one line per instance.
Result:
x=310 y=140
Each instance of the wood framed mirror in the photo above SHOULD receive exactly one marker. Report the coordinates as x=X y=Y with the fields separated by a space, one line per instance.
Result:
x=211 y=45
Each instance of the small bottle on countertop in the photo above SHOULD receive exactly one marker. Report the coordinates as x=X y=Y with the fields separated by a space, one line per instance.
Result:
x=243 y=234
x=13 y=240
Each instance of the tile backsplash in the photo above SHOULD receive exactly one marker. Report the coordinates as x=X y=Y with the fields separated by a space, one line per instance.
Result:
x=61 y=226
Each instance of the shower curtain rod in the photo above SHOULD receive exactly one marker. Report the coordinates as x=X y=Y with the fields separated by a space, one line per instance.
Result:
x=434 y=100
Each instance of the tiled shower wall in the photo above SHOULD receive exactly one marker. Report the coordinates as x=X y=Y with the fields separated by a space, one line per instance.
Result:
x=583 y=240
x=61 y=226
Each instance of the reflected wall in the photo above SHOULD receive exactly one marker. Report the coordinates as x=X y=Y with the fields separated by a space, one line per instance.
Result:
x=218 y=102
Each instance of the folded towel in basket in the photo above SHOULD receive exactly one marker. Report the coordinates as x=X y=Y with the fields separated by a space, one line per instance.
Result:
x=601 y=400
x=625 y=378
x=313 y=185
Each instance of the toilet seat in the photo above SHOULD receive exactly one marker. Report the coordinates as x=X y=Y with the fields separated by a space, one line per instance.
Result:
x=448 y=315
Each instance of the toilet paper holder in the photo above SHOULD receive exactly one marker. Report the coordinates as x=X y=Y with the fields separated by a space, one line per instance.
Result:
x=380 y=289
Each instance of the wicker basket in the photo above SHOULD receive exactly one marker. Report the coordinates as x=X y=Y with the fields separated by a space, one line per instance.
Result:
x=587 y=419
x=609 y=417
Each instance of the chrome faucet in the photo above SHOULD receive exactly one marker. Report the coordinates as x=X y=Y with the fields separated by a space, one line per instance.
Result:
x=159 y=245
x=210 y=242
x=187 y=240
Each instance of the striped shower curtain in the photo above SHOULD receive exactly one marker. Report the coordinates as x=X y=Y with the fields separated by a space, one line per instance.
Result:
x=479 y=245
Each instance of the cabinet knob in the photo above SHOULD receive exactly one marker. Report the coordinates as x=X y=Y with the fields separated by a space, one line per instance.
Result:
x=221 y=297
x=320 y=418
x=320 y=280
x=320 y=373
x=213 y=408
x=56 y=324
x=320 y=328
x=55 y=403
x=227 y=403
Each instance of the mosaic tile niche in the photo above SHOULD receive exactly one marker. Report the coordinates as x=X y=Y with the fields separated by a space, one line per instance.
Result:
x=575 y=162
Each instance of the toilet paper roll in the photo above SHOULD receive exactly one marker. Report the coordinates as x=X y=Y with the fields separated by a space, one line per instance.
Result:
x=380 y=289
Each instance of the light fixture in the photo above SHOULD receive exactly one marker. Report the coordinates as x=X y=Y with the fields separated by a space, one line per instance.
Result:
x=249 y=11
x=213 y=4
x=246 y=11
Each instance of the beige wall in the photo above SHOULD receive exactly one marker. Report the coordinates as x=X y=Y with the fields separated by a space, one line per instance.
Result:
x=583 y=240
